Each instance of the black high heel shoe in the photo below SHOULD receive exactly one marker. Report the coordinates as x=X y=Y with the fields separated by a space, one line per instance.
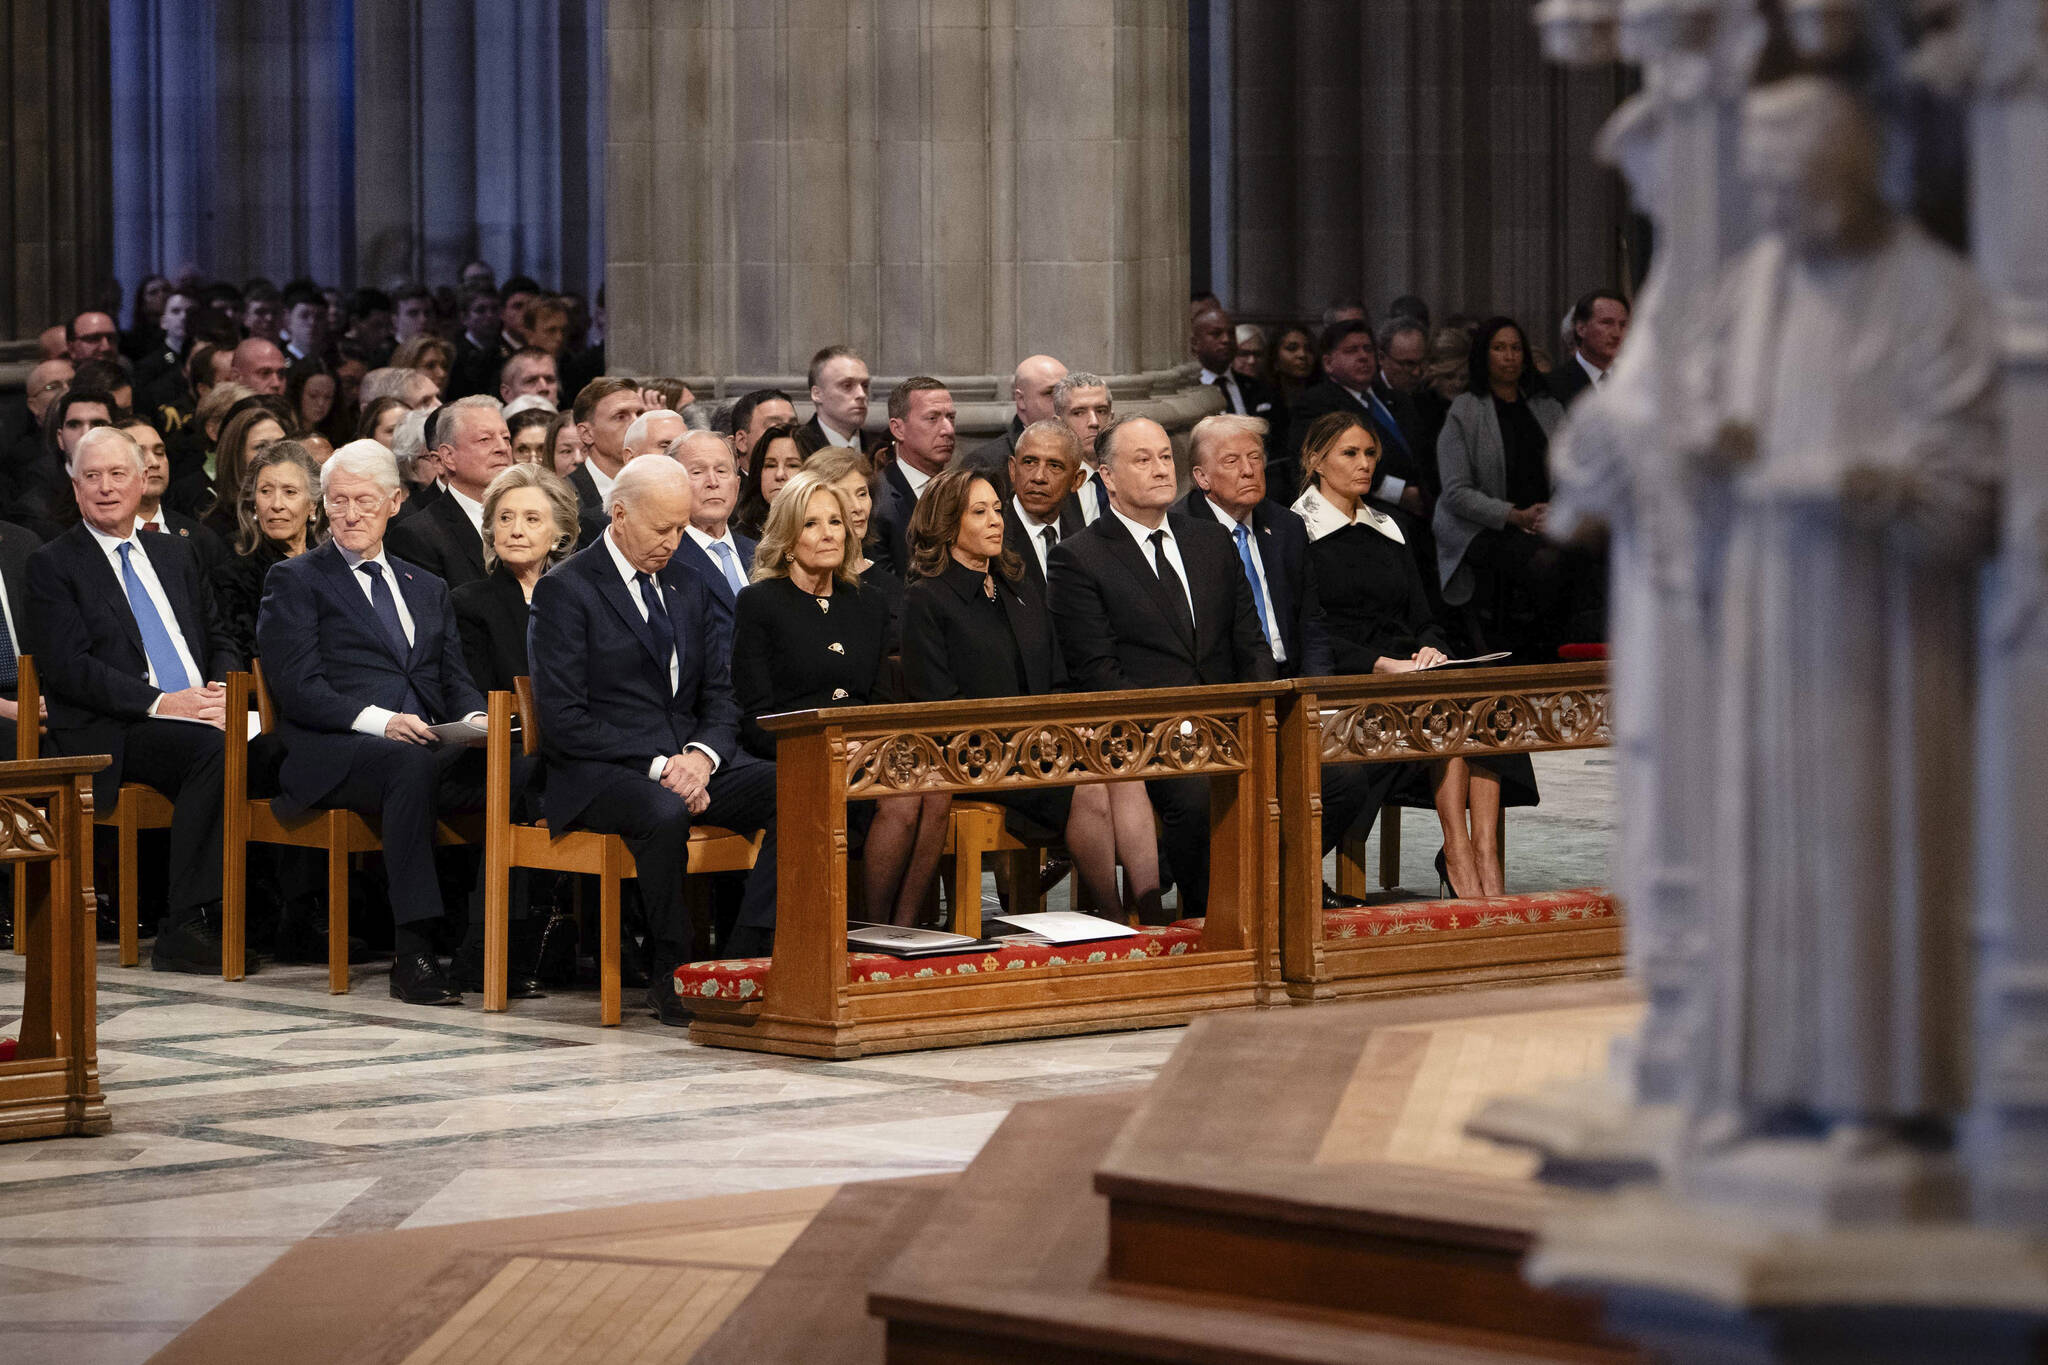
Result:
x=1443 y=875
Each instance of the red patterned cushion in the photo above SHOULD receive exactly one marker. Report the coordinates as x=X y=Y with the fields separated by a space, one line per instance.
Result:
x=1421 y=917
x=745 y=978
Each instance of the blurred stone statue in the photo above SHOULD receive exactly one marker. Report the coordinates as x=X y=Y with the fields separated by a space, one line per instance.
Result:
x=1842 y=394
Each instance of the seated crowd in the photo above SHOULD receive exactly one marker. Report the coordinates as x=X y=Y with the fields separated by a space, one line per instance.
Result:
x=395 y=521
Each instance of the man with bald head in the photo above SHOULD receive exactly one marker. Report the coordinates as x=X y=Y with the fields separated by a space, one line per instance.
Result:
x=1031 y=395
x=653 y=432
x=91 y=336
x=632 y=678
x=259 y=364
x=1149 y=597
x=21 y=423
x=1213 y=342
x=446 y=537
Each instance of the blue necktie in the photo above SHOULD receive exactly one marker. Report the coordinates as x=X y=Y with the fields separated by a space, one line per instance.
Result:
x=386 y=607
x=1384 y=416
x=1101 y=493
x=658 y=622
x=730 y=564
x=1251 y=573
x=156 y=640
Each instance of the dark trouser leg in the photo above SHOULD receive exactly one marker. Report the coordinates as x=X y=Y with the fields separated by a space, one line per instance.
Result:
x=185 y=763
x=1352 y=791
x=400 y=786
x=1182 y=804
x=655 y=823
x=743 y=800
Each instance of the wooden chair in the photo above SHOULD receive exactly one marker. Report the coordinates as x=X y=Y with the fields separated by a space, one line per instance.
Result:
x=136 y=808
x=251 y=820
x=604 y=856
x=975 y=833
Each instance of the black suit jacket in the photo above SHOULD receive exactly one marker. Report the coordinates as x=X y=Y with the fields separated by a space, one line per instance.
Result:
x=210 y=548
x=1017 y=540
x=88 y=648
x=1568 y=379
x=1261 y=400
x=1329 y=396
x=441 y=540
x=591 y=514
x=950 y=648
x=810 y=438
x=1117 y=627
x=606 y=711
x=491 y=616
x=476 y=369
x=694 y=557
x=992 y=457
x=326 y=657
x=893 y=505
x=17 y=543
x=1281 y=539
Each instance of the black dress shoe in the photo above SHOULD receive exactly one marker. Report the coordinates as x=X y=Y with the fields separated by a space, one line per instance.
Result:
x=1333 y=899
x=554 y=952
x=663 y=1002
x=193 y=947
x=519 y=985
x=298 y=942
x=1053 y=873
x=107 y=918
x=417 y=979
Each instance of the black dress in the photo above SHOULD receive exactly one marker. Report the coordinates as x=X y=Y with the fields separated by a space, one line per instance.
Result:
x=961 y=641
x=793 y=652
x=491 y=614
x=1527 y=453
x=1374 y=607
x=238 y=592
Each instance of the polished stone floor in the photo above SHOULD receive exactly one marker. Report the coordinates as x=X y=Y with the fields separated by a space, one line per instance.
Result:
x=251 y=1115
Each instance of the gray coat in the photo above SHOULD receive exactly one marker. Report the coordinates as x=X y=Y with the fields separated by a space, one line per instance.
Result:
x=1473 y=464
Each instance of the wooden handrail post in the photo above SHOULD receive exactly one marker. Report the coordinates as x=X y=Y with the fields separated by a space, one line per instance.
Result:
x=1301 y=833
x=234 y=832
x=497 y=850
x=808 y=979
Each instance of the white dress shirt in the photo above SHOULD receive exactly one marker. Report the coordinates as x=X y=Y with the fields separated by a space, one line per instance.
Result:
x=1233 y=396
x=631 y=577
x=1272 y=622
x=915 y=477
x=603 y=483
x=1094 y=500
x=833 y=438
x=153 y=586
x=7 y=610
x=467 y=504
x=1143 y=534
x=1593 y=372
x=371 y=720
x=1034 y=531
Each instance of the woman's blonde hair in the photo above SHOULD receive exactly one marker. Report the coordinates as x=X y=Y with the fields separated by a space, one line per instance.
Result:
x=1323 y=435
x=561 y=501
x=785 y=525
x=409 y=355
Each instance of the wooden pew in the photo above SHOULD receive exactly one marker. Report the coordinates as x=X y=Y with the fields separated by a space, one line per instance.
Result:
x=136 y=808
x=52 y=1086
x=605 y=856
x=807 y=1005
x=1412 y=717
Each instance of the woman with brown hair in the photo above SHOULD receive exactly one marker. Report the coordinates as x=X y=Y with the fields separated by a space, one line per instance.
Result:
x=1379 y=621
x=248 y=434
x=807 y=634
x=278 y=516
x=976 y=625
x=431 y=356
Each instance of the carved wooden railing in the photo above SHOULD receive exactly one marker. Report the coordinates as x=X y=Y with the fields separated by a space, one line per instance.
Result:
x=826 y=758
x=1407 y=718
x=52 y=1086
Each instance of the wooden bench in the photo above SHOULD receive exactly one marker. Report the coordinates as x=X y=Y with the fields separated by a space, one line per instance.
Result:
x=807 y=1006
x=252 y=820
x=605 y=856
x=136 y=808
x=1417 y=717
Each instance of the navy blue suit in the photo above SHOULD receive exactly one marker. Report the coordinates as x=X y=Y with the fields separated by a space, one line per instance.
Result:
x=326 y=656
x=694 y=557
x=1281 y=542
x=607 y=713
x=77 y=621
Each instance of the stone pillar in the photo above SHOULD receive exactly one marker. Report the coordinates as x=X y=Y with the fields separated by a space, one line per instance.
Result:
x=945 y=187
x=56 y=232
x=1385 y=147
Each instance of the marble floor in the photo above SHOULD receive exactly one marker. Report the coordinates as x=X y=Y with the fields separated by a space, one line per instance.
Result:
x=251 y=1115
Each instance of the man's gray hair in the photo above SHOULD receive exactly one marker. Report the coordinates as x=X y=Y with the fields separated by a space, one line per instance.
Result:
x=638 y=431
x=1398 y=326
x=99 y=436
x=1219 y=426
x=409 y=439
x=700 y=416
x=644 y=473
x=679 y=449
x=476 y=402
x=1051 y=429
x=1063 y=391
x=387 y=382
x=365 y=459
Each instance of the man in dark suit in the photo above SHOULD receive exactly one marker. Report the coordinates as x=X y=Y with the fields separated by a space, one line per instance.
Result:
x=1031 y=389
x=710 y=548
x=1213 y=341
x=921 y=433
x=152 y=515
x=752 y=414
x=1599 y=324
x=121 y=626
x=1044 y=469
x=363 y=655
x=605 y=410
x=640 y=729
x=1226 y=456
x=17 y=543
x=1404 y=366
x=1146 y=597
x=1351 y=362
x=481 y=351
x=446 y=537
x=839 y=398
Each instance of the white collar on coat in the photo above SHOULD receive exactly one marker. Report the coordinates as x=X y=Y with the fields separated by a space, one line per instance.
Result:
x=1324 y=519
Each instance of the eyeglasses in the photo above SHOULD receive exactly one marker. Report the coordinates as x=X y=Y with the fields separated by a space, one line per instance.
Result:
x=365 y=504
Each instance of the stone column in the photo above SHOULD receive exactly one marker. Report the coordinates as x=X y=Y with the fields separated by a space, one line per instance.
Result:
x=1385 y=147
x=945 y=187
x=56 y=233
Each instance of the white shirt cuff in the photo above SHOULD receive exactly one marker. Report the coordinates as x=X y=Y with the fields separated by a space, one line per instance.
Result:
x=155 y=704
x=654 y=769
x=371 y=720
x=707 y=753
x=1390 y=489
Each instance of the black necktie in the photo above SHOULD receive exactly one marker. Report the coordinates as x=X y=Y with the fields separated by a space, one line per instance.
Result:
x=10 y=669
x=1174 y=587
x=658 y=622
